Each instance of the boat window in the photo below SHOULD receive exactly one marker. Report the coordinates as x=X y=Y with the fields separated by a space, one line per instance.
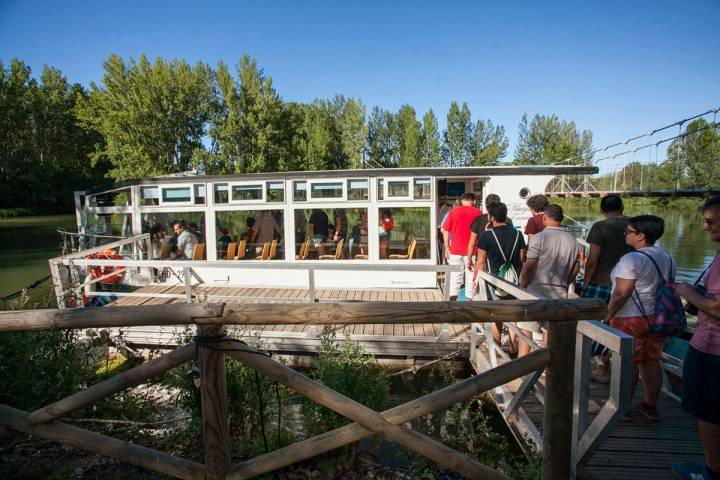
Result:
x=150 y=195
x=358 y=189
x=247 y=192
x=380 y=189
x=194 y=220
x=176 y=194
x=222 y=193
x=257 y=228
x=116 y=198
x=300 y=191
x=110 y=224
x=331 y=234
x=199 y=189
x=398 y=189
x=422 y=190
x=275 y=192
x=326 y=190
x=404 y=233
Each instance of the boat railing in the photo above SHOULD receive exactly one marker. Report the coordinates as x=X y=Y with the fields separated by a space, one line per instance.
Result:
x=73 y=242
x=587 y=435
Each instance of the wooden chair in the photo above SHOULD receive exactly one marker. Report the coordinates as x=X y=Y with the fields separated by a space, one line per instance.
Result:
x=241 y=250
x=303 y=251
x=199 y=252
x=273 y=250
x=231 y=248
x=338 y=252
x=310 y=231
x=265 y=252
x=410 y=252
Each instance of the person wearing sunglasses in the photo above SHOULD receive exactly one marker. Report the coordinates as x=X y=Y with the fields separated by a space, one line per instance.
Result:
x=701 y=369
x=634 y=284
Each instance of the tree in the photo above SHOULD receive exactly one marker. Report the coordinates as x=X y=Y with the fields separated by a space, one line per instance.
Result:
x=430 y=141
x=408 y=137
x=489 y=144
x=548 y=140
x=248 y=129
x=695 y=158
x=353 y=132
x=152 y=116
x=457 y=136
x=382 y=147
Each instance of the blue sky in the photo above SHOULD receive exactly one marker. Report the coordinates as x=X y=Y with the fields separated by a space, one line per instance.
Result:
x=615 y=68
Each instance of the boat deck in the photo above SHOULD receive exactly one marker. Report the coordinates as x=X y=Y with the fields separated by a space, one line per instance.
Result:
x=407 y=340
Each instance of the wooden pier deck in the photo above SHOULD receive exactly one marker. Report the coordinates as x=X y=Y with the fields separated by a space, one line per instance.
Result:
x=406 y=340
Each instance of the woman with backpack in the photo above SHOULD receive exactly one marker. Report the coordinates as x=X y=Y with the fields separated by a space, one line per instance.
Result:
x=635 y=282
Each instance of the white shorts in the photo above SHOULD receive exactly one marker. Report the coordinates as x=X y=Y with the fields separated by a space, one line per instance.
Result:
x=457 y=278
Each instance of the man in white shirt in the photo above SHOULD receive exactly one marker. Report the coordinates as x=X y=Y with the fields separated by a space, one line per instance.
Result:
x=186 y=241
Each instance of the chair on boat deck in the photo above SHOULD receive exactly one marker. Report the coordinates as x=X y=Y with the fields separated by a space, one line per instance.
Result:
x=241 y=250
x=231 y=248
x=303 y=251
x=273 y=250
x=265 y=252
x=338 y=252
x=410 y=252
x=363 y=253
x=199 y=252
x=166 y=251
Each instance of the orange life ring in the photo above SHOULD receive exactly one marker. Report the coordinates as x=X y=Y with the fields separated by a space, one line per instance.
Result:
x=97 y=271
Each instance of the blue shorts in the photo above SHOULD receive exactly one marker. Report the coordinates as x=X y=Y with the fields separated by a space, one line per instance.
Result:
x=700 y=388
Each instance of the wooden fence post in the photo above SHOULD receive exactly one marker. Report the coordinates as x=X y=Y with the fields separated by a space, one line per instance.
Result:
x=214 y=404
x=558 y=413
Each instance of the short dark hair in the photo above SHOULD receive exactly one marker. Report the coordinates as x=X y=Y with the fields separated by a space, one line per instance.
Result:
x=498 y=211
x=249 y=221
x=538 y=202
x=649 y=225
x=492 y=199
x=181 y=223
x=468 y=196
x=555 y=212
x=611 y=203
x=711 y=202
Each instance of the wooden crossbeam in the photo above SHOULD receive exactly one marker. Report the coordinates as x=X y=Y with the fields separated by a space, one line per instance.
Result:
x=371 y=420
x=437 y=400
x=127 y=452
x=114 y=384
x=557 y=310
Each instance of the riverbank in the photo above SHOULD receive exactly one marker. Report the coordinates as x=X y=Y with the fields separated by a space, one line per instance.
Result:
x=631 y=203
x=32 y=211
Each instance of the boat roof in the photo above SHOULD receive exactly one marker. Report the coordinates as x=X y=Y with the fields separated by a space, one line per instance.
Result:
x=364 y=173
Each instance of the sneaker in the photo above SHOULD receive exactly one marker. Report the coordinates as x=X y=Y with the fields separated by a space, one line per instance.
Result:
x=690 y=471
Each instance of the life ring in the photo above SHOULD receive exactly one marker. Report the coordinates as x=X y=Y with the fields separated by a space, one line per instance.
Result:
x=97 y=271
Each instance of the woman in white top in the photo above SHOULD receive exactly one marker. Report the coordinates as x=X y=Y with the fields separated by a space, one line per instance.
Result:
x=635 y=280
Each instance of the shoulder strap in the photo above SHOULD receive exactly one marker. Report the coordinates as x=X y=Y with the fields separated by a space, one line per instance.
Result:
x=499 y=246
x=706 y=269
x=662 y=279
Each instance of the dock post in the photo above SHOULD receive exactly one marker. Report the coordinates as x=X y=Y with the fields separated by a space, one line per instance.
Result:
x=558 y=412
x=214 y=405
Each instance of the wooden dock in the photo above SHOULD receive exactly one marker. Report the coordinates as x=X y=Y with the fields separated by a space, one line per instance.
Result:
x=416 y=340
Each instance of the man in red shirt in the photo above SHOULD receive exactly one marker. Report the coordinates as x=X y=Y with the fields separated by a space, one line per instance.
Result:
x=537 y=204
x=456 y=235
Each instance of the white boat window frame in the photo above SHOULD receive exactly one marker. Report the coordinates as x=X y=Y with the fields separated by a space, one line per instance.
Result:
x=291 y=188
x=433 y=231
x=411 y=188
x=343 y=187
x=284 y=190
x=347 y=189
x=89 y=197
x=231 y=185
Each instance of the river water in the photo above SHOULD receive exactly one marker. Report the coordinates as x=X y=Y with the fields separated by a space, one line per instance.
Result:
x=27 y=243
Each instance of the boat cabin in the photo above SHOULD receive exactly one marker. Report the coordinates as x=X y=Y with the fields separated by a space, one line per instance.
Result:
x=355 y=217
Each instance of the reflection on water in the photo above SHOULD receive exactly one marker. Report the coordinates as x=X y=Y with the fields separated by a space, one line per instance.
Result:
x=684 y=237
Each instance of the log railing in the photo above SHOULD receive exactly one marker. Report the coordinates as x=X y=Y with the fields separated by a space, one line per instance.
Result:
x=211 y=345
x=586 y=437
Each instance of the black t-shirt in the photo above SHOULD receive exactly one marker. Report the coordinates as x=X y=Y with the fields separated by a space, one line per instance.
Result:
x=320 y=221
x=479 y=225
x=609 y=234
x=506 y=236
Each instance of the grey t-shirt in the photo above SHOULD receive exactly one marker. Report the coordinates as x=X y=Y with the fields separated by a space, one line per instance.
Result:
x=186 y=242
x=556 y=251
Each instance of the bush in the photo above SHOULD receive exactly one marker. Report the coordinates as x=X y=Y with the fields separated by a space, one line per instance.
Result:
x=349 y=370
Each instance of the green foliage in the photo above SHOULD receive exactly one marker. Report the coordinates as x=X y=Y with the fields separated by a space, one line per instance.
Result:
x=409 y=137
x=382 y=143
x=694 y=159
x=457 y=137
x=152 y=116
x=430 y=141
x=349 y=370
x=549 y=140
x=489 y=144
x=353 y=131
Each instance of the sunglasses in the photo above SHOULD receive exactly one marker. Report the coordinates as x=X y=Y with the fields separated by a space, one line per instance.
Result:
x=627 y=230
